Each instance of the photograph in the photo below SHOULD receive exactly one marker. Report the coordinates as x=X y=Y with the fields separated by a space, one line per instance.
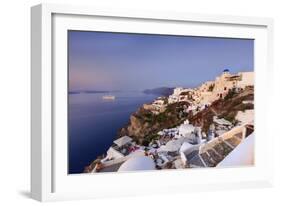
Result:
x=143 y=102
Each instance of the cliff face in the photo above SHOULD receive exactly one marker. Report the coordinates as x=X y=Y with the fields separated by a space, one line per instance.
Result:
x=138 y=127
x=144 y=125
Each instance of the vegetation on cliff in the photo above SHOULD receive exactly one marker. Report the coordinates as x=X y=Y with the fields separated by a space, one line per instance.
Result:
x=144 y=125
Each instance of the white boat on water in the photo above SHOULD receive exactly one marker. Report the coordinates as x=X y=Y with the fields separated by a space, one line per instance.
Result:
x=108 y=97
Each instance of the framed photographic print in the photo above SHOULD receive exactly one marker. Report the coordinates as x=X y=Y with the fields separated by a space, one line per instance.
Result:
x=137 y=102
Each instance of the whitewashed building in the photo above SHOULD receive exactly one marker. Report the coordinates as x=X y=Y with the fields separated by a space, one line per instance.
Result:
x=185 y=130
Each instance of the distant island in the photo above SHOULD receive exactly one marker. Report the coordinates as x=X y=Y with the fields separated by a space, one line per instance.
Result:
x=88 y=92
x=163 y=91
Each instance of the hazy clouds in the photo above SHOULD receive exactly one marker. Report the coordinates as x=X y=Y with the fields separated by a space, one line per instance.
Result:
x=116 y=61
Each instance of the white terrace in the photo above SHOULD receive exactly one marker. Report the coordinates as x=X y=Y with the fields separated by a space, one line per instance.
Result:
x=216 y=151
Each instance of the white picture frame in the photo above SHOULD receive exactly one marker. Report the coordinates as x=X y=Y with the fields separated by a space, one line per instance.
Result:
x=49 y=178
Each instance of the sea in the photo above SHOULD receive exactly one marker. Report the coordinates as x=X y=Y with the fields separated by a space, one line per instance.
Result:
x=93 y=123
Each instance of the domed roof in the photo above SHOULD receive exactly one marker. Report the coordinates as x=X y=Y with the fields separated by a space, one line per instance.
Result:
x=226 y=70
x=185 y=147
x=138 y=163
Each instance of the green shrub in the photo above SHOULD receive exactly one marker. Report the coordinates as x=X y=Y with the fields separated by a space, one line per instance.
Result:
x=161 y=117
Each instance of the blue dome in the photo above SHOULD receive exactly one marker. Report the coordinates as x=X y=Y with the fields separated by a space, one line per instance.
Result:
x=226 y=70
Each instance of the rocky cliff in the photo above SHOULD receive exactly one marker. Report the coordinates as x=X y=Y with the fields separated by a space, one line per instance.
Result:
x=144 y=125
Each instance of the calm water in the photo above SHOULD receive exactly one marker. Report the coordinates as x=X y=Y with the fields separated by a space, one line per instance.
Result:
x=94 y=123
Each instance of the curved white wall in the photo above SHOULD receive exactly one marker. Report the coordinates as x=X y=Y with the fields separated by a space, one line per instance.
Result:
x=242 y=155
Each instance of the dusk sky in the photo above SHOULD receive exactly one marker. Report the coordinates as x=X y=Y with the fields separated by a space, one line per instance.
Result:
x=119 y=61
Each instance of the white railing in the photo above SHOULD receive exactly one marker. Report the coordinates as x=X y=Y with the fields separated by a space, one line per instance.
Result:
x=236 y=130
